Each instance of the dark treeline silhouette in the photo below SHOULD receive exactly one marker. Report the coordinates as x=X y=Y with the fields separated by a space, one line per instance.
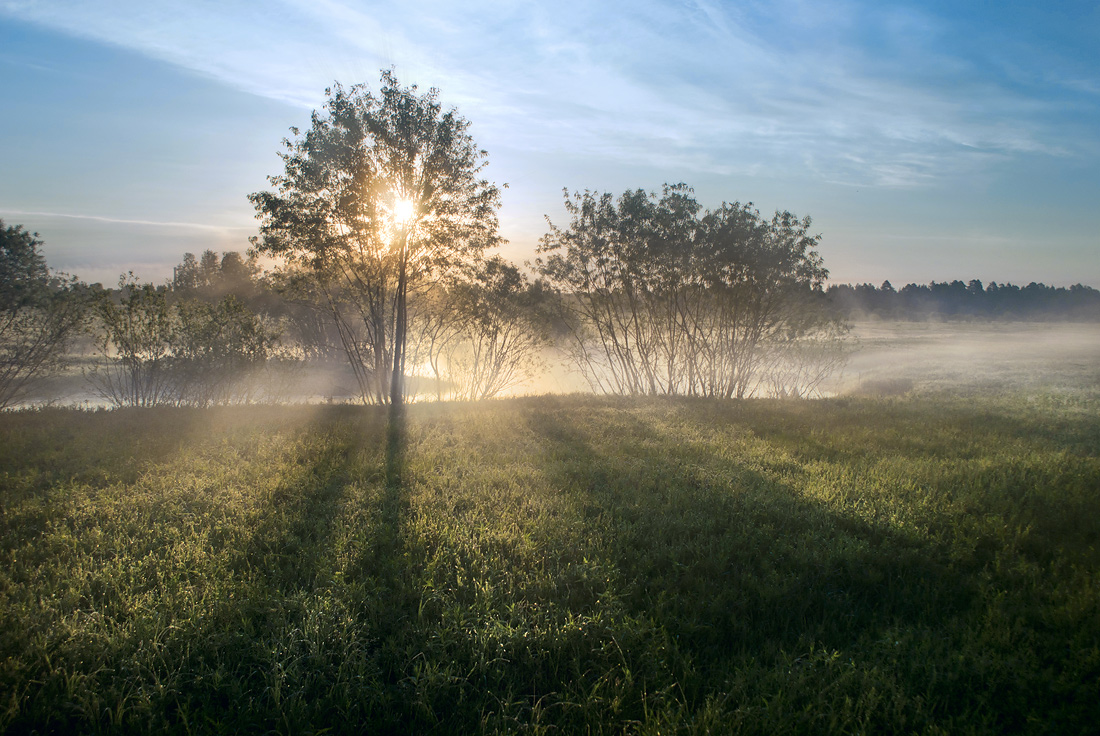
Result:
x=957 y=300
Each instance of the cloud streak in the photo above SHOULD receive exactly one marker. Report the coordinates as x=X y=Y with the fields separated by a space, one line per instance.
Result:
x=124 y=221
x=624 y=83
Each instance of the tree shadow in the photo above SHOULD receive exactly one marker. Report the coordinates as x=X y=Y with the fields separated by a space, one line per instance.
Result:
x=396 y=439
x=386 y=557
x=732 y=561
x=651 y=570
x=327 y=593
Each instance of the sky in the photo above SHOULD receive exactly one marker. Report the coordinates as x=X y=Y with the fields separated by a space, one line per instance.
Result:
x=927 y=140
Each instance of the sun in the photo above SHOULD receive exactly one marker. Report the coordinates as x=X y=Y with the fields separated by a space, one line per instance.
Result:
x=403 y=210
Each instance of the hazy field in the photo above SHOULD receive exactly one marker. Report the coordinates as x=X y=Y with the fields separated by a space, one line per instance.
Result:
x=962 y=356
x=888 y=358
x=862 y=564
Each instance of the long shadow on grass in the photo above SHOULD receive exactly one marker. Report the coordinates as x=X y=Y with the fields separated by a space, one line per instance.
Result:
x=733 y=563
x=387 y=554
x=944 y=427
x=306 y=648
x=1035 y=485
x=267 y=656
x=263 y=635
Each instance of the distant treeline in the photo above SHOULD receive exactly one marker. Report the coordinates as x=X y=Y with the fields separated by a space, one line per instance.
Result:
x=969 y=300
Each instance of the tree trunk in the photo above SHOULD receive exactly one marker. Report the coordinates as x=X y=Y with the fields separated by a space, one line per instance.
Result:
x=397 y=383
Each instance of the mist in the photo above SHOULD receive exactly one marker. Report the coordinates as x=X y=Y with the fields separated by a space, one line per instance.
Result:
x=892 y=358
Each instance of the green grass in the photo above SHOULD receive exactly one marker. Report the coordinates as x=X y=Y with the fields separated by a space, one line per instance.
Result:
x=555 y=565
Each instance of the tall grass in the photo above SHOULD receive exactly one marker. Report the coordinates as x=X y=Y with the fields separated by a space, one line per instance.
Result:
x=566 y=565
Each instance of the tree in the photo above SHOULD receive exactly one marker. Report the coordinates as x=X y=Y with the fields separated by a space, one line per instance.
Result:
x=218 y=351
x=133 y=333
x=760 y=279
x=489 y=333
x=663 y=298
x=621 y=267
x=379 y=196
x=437 y=322
x=192 y=352
x=40 y=313
x=185 y=276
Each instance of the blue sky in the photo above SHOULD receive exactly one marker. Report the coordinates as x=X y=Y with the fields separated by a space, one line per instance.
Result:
x=929 y=141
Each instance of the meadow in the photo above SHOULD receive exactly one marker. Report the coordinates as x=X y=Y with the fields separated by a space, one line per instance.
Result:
x=921 y=563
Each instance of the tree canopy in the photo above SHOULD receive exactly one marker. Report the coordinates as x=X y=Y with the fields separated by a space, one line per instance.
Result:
x=23 y=272
x=39 y=313
x=382 y=184
x=664 y=298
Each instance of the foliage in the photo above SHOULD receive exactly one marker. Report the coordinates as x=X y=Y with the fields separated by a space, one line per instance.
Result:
x=436 y=323
x=212 y=278
x=217 y=349
x=133 y=332
x=286 y=298
x=23 y=270
x=335 y=212
x=40 y=313
x=192 y=352
x=504 y=330
x=482 y=334
x=298 y=307
x=575 y=565
x=661 y=299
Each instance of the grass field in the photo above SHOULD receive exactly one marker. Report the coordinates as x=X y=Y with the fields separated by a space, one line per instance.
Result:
x=927 y=564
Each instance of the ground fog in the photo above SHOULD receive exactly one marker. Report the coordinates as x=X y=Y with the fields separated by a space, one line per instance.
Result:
x=884 y=359
x=891 y=358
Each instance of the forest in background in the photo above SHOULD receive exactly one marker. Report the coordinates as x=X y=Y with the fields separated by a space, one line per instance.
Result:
x=958 y=300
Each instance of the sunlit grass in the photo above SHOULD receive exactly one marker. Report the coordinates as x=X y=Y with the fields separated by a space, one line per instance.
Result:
x=569 y=564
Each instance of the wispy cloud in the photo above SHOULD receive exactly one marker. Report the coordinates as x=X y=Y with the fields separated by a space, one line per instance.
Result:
x=125 y=221
x=872 y=95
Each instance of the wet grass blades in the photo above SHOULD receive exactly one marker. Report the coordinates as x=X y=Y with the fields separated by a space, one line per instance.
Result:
x=570 y=564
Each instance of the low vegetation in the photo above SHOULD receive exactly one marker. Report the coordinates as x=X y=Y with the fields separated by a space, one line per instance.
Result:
x=926 y=564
